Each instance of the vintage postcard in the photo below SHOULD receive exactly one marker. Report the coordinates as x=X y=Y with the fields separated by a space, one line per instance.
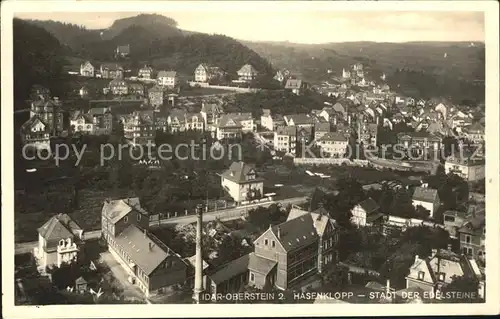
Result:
x=182 y=158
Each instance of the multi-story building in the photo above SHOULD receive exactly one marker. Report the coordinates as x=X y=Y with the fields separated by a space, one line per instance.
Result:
x=475 y=133
x=271 y=121
x=472 y=236
x=247 y=73
x=111 y=71
x=328 y=236
x=321 y=129
x=242 y=182
x=156 y=96
x=118 y=87
x=233 y=125
x=180 y=121
x=334 y=144
x=167 y=79
x=286 y=256
x=145 y=73
x=466 y=167
x=285 y=139
x=296 y=86
x=207 y=73
x=139 y=127
x=365 y=213
x=36 y=133
x=420 y=141
x=87 y=69
x=59 y=241
x=433 y=273
x=50 y=111
x=367 y=133
x=211 y=114
x=150 y=264
x=426 y=197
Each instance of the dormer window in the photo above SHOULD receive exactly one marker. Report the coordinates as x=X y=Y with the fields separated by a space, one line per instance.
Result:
x=266 y=242
x=421 y=275
x=62 y=242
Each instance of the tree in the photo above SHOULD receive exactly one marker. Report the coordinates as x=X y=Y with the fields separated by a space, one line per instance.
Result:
x=462 y=284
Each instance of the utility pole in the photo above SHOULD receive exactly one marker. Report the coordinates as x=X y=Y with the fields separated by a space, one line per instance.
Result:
x=198 y=275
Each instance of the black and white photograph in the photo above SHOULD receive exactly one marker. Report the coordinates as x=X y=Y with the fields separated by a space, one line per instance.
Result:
x=228 y=153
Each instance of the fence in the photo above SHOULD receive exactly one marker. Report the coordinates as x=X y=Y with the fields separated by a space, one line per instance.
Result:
x=329 y=161
x=222 y=87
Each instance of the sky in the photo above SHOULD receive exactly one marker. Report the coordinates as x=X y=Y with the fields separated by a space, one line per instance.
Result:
x=306 y=26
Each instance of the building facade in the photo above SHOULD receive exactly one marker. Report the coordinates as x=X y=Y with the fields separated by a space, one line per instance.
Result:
x=242 y=183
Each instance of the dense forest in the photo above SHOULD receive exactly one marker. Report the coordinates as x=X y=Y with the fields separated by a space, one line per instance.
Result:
x=37 y=59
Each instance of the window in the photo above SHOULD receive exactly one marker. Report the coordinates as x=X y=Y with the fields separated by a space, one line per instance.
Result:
x=441 y=276
x=449 y=218
x=252 y=277
x=273 y=244
x=467 y=239
x=421 y=275
x=138 y=217
x=266 y=242
x=125 y=219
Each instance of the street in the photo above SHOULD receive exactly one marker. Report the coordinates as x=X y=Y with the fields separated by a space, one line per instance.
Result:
x=226 y=214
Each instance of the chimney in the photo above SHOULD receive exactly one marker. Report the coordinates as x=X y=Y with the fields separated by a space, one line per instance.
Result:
x=145 y=233
x=279 y=232
x=416 y=258
x=387 y=286
x=433 y=252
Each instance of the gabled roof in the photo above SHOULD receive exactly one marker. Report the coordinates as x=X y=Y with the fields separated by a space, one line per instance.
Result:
x=320 y=217
x=117 y=209
x=425 y=194
x=111 y=67
x=31 y=121
x=295 y=233
x=299 y=119
x=234 y=119
x=247 y=68
x=166 y=74
x=369 y=205
x=99 y=111
x=212 y=108
x=145 y=252
x=238 y=171
x=333 y=136
x=231 y=269
x=60 y=226
x=322 y=127
x=286 y=130
x=260 y=264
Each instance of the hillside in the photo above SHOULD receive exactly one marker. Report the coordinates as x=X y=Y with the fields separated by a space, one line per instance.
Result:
x=156 y=40
x=37 y=59
x=441 y=62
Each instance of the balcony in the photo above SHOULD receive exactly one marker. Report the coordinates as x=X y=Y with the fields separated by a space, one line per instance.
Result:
x=67 y=249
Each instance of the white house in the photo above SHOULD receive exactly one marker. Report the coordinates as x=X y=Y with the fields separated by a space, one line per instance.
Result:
x=469 y=169
x=59 y=241
x=365 y=212
x=285 y=139
x=167 y=78
x=427 y=198
x=87 y=69
x=333 y=143
x=247 y=73
x=242 y=182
